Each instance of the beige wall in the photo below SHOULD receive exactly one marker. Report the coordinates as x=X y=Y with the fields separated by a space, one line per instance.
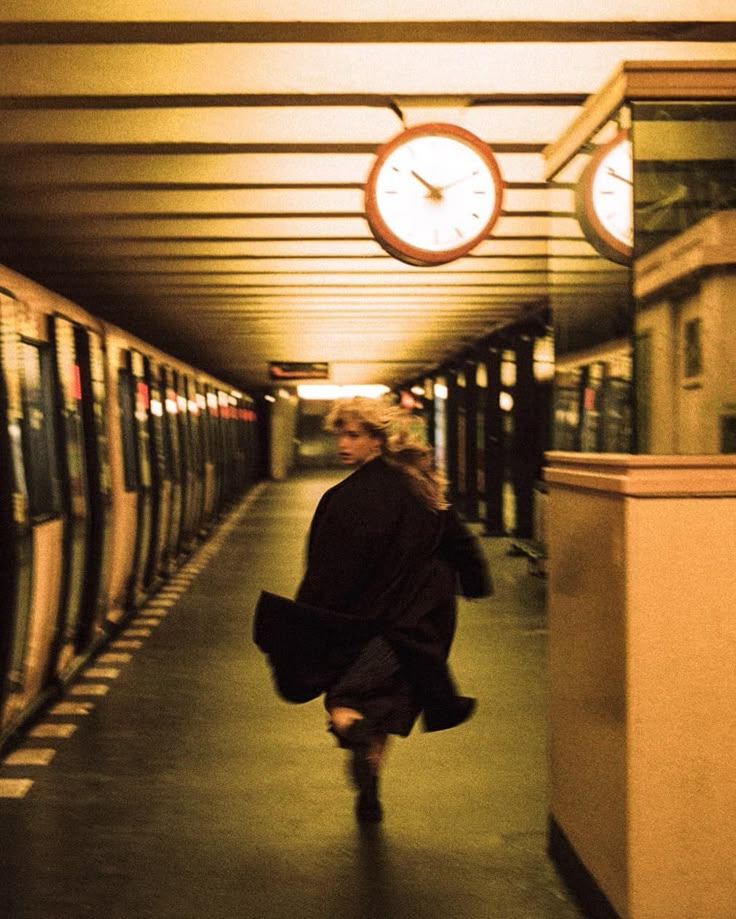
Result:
x=587 y=692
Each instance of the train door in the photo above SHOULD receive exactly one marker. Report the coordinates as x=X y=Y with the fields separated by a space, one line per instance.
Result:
x=16 y=539
x=93 y=382
x=173 y=448
x=197 y=456
x=160 y=480
x=227 y=449
x=189 y=498
x=86 y=486
x=134 y=402
x=209 y=471
x=216 y=450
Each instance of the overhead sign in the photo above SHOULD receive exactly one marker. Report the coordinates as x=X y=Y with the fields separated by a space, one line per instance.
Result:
x=293 y=370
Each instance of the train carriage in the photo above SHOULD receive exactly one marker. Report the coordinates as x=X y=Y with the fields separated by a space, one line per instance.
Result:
x=115 y=462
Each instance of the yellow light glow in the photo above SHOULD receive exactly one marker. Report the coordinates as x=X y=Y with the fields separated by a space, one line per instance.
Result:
x=330 y=391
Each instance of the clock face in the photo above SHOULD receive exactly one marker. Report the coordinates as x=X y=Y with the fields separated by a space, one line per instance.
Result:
x=433 y=194
x=605 y=200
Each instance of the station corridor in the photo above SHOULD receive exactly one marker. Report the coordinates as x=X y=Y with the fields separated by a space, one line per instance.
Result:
x=172 y=783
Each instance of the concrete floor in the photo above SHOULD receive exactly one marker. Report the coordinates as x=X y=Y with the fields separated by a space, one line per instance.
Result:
x=191 y=791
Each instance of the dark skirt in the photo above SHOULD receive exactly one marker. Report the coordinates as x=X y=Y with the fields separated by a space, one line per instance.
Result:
x=375 y=686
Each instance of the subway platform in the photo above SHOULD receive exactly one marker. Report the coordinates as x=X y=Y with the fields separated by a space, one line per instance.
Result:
x=172 y=783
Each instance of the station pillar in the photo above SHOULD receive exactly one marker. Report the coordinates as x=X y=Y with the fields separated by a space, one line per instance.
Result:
x=642 y=672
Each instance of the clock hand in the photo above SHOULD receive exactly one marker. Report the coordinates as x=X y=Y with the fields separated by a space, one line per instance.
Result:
x=435 y=193
x=614 y=175
x=458 y=181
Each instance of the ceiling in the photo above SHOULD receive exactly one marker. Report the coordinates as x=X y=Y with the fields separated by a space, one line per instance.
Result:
x=194 y=171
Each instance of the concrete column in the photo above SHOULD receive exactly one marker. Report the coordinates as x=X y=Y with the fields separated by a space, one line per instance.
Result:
x=494 y=447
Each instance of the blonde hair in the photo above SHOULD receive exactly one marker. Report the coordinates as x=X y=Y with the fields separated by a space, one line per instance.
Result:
x=401 y=444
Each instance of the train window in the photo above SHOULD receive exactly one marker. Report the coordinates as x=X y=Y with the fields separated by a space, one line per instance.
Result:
x=142 y=409
x=183 y=424
x=99 y=397
x=161 y=443
x=195 y=427
x=171 y=429
x=38 y=433
x=127 y=428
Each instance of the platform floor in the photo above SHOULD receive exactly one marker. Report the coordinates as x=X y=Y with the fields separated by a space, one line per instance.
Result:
x=172 y=783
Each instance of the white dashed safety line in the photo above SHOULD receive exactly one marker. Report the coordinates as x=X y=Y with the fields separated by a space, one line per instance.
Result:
x=132 y=643
x=89 y=689
x=15 y=788
x=71 y=708
x=115 y=657
x=49 y=729
x=30 y=756
x=107 y=666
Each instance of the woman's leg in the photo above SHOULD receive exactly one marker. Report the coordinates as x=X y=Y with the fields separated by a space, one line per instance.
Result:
x=341 y=717
x=377 y=751
x=367 y=753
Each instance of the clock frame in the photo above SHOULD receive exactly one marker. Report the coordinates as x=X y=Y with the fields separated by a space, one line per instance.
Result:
x=433 y=193
x=604 y=200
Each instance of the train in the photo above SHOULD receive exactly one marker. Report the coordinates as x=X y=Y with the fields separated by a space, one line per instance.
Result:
x=116 y=462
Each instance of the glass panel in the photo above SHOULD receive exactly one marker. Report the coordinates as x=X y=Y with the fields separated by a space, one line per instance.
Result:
x=593 y=336
x=685 y=224
x=99 y=396
x=142 y=408
x=127 y=428
x=160 y=439
x=44 y=493
x=171 y=427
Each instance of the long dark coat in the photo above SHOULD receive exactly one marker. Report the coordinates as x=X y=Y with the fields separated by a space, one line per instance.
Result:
x=379 y=564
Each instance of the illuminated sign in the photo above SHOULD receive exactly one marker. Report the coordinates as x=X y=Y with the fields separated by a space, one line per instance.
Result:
x=292 y=370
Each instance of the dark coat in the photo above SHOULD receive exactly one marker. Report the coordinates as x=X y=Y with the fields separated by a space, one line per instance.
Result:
x=384 y=564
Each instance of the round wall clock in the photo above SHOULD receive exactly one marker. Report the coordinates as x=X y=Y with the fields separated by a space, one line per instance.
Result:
x=604 y=200
x=433 y=194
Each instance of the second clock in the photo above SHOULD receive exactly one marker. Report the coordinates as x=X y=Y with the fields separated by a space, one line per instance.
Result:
x=604 y=200
x=433 y=194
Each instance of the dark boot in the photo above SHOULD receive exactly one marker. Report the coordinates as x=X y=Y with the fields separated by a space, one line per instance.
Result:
x=368 y=807
x=358 y=739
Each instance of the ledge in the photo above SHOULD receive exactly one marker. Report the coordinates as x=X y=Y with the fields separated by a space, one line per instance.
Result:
x=644 y=476
x=673 y=80
x=706 y=246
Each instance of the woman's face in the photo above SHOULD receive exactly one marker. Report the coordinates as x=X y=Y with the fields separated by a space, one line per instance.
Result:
x=355 y=445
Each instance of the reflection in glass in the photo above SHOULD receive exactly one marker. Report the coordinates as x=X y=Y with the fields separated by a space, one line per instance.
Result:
x=592 y=312
x=684 y=283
